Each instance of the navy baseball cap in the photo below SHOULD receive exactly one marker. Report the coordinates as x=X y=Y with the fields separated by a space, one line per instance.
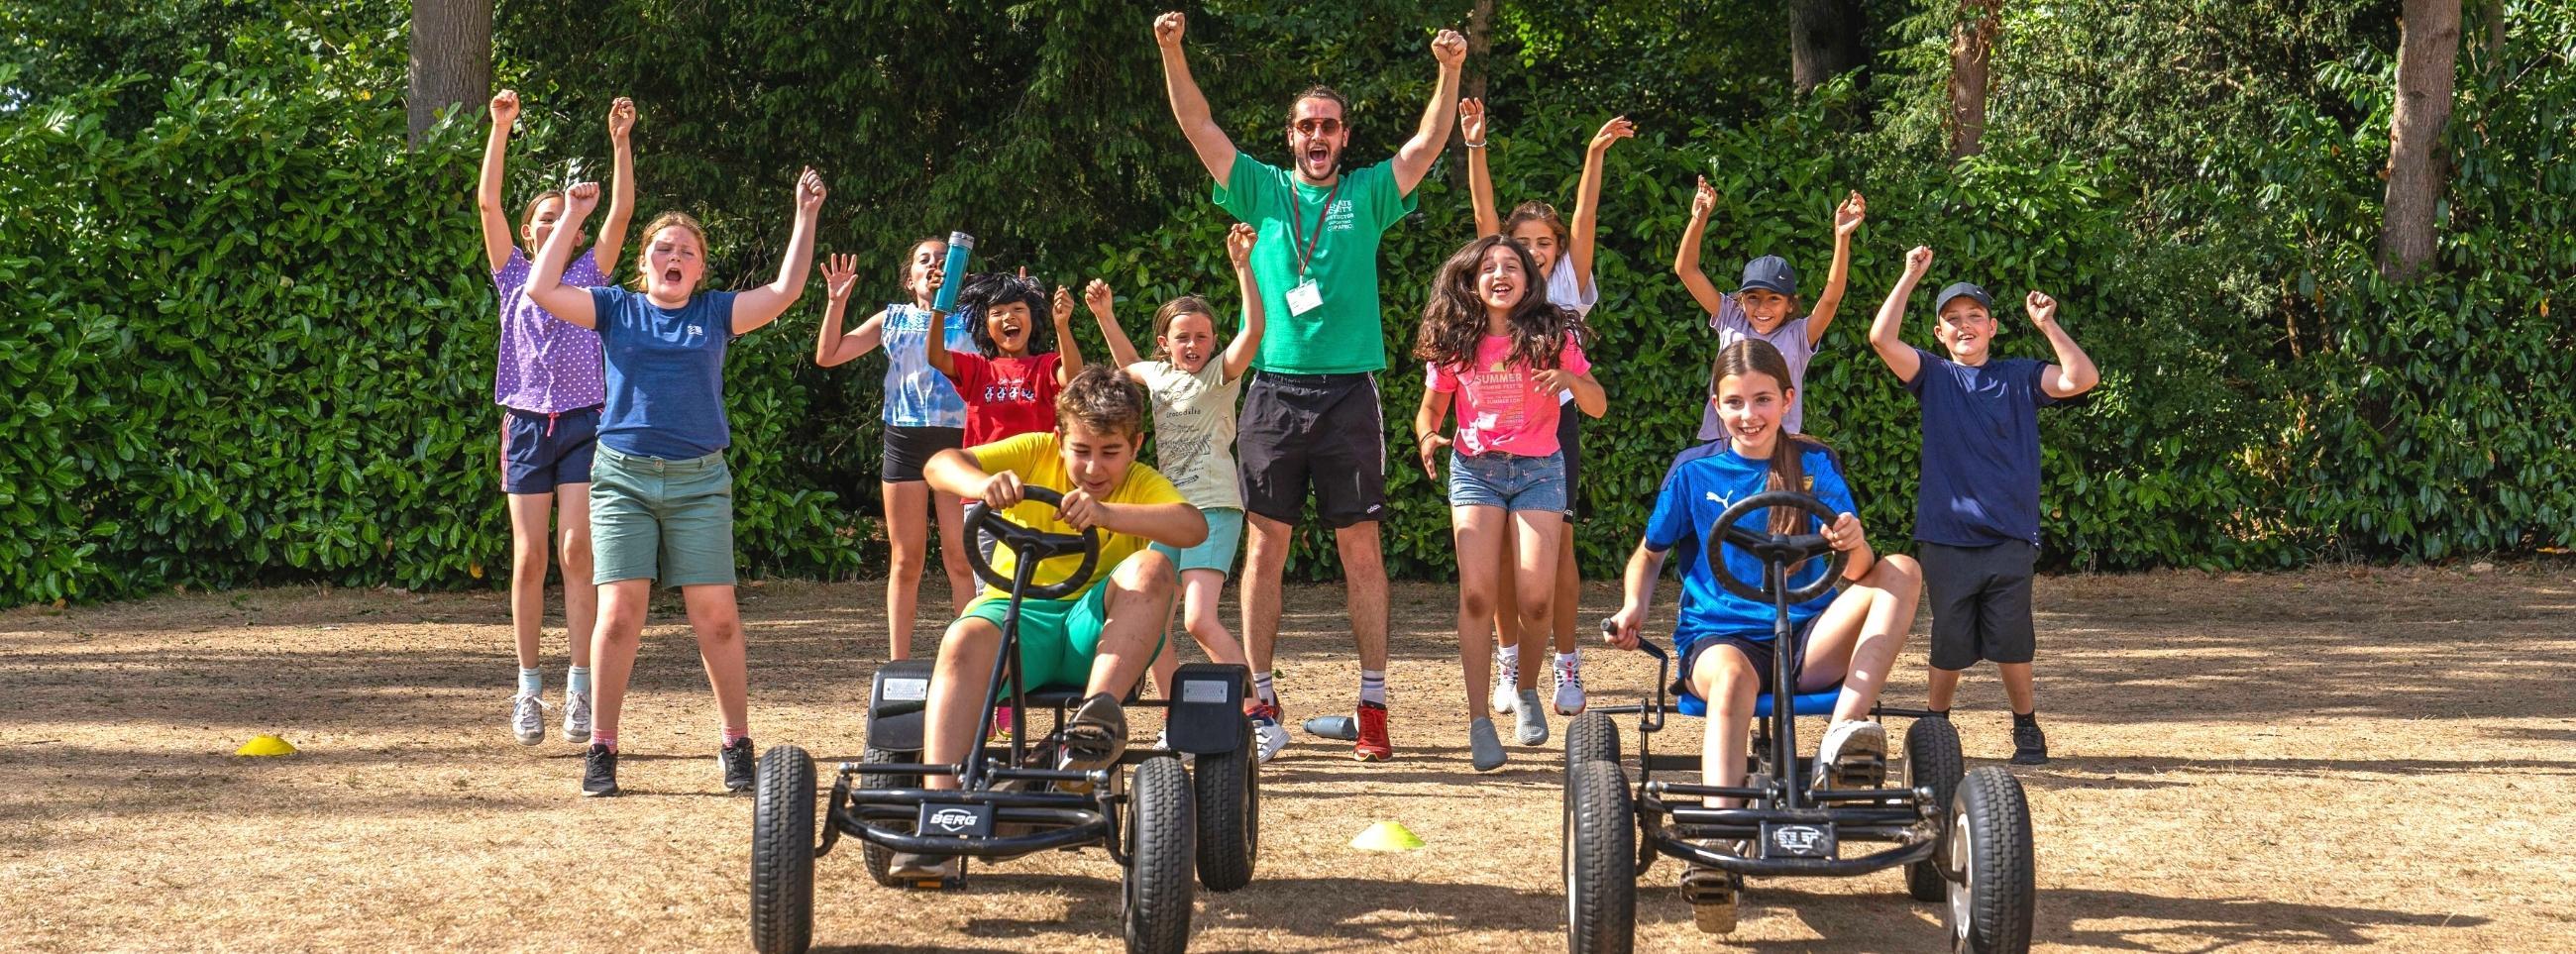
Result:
x=1770 y=273
x=1963 y=290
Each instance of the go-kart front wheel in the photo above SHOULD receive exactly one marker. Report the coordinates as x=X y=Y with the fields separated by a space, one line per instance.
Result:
x=1989 y=853
x=782 y=853
x=1161 y=823
x=1228 y=793
x=1932 y=761
x=1598 y=858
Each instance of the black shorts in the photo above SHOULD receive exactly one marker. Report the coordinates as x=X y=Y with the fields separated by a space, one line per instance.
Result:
x=1758 y=651
x=1324 y=432
x=1569 y=439
x=540 y=452
x=1980 y=602
x=908 y=448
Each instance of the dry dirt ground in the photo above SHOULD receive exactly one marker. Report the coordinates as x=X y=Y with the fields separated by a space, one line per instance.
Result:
x=2335 y=758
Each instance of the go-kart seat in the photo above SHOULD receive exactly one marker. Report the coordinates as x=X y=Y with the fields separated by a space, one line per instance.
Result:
x=1817 y=703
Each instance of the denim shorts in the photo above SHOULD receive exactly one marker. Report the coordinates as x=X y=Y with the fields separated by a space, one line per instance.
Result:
x=1224 y=540
x=1508 y=481
x=666 y=520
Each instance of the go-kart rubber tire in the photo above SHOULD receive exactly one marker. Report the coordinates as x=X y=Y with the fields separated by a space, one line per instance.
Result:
x=1161 y=825
x=1933 y=761
x=1227 y=788
x=782 y=853
x=1990 y=906
x=1598 y=861
x=879 y=858
x=1592 y=737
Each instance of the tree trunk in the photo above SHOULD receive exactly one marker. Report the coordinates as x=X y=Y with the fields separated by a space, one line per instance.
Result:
x=1480 y=41
x=1824 y=41
x=1972 y=50
x=2428 y=50
x=2495 y=31
x=451 y=59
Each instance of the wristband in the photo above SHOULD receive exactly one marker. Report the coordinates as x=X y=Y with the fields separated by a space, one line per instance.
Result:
x=1474 y=145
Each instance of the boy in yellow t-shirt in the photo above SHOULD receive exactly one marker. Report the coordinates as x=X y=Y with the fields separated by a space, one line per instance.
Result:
x=1102 y=636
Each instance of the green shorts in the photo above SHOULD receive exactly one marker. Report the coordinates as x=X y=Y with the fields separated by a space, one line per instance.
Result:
x=655 y=519
x=1058 y=638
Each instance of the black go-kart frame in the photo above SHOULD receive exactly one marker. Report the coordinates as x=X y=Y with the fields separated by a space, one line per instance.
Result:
x=1964 y=837
x=1011 y=800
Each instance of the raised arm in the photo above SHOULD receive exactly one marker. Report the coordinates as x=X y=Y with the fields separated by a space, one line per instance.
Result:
x=1587 y=199
x=935 y=345
x=1413 y=161
x=1847 y=219
x=1189 y=106
x=1686 y=258
x=1099 y=298
x=831 y=346
x=497 y=241
x=1061 y=314
x=1886 y=335
x=1239 y=353
x=764 y=304
x=621 y=187
x=545 y=281
x=2073 y=373
x=1480 y=181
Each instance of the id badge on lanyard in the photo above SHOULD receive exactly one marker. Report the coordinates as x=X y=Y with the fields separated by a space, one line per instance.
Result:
x=1306 y=296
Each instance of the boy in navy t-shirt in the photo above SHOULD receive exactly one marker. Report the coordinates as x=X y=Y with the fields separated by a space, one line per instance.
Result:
x=1976 y=517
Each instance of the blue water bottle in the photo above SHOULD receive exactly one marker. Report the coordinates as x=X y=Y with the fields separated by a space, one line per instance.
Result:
x=953 y=274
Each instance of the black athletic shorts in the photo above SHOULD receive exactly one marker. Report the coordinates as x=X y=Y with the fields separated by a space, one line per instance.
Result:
x=1980 y=602
x=908 y=448
x=1758 y=651
x=1569 y=439
x=1319 y=432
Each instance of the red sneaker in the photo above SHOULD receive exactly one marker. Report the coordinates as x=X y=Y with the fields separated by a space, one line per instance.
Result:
x=1373 y=745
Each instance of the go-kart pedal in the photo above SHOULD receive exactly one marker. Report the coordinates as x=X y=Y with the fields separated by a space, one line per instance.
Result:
x=1853 y=755
x=1711 y=894
x=929 y=872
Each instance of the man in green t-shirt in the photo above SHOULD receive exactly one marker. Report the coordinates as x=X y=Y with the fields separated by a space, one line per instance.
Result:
x=1311 y=418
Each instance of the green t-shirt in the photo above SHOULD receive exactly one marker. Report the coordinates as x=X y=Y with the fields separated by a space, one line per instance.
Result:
x=1345 y=334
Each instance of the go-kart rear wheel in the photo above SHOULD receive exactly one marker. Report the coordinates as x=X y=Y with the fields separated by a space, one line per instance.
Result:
x=782 y=853
x=880 y=859
x=1989 y=854
x=1160 y=847
x=1228 y=792
x=1932 y=761
x=1598 y=858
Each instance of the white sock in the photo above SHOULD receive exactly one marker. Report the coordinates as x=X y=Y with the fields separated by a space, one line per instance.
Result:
x=532 y=682
x=1263 y=690
x=1373 y=686
x=577 y=680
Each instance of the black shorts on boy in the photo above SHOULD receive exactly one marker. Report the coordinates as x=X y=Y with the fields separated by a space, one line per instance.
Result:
x=1980 y=602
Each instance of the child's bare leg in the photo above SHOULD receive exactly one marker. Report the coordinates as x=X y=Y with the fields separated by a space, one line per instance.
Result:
x=1724 y=676
x=1139 y=610
x=1202 y=593
x=1535 y=536
x=959 y=680
x=718 y=623
x=622 y=606
x=1856 y=639
x=1569 y=589
x=1507 y=622
x=907 y=515
x=1944 y=685
x=581 y=596
x=1480 y=533
x=952 y=550
x=2017 y=687
x=529 y=535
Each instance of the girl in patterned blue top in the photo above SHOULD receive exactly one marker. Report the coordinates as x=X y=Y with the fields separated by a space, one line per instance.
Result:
x=1724 y=640
x=923 y=416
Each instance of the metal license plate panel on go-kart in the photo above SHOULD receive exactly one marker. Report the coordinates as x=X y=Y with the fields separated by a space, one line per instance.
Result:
x=956 y=821
x=1781 y=840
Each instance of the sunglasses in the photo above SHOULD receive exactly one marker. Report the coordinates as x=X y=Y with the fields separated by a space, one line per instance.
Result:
x=1317 y=127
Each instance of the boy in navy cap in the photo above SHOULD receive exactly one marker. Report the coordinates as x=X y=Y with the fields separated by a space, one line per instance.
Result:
x=1976 y=516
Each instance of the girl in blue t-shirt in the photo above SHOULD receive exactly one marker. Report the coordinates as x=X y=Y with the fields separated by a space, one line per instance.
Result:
x=661 y=496
x=923 y=416
x=1724 y=640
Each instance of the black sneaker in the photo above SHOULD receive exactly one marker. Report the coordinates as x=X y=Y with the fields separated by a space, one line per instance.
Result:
x=599 y=772
x=2030 y=746
x=738 y=769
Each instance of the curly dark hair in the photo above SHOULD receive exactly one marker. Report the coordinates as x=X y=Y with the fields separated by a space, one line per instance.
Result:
x=984 y=291
x=1453 y=321
x=1101 y=399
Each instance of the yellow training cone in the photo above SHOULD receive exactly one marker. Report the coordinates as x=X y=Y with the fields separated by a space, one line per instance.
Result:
x=265 y=744
x=1387 y=836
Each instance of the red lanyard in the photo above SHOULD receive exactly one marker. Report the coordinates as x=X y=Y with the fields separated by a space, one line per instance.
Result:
x=1296 y=217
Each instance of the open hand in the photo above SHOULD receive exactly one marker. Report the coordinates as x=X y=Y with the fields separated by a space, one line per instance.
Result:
x=1098 y=297
x=1471 y=120
x=1431 y=446
x=1169 y=27
x=1705 y=200
x=505 y=107
x=809 y=192
x=1555 y=380
x=840 y=274
x=1616 y=129
x=1239 y=241
x=579 y=200
x=621 y=119
x=1450 y=49
x=1918 y=263
x=2042 y=308
x=1848 y=216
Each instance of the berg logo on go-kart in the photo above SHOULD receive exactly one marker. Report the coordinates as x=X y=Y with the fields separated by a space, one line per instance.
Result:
x=1798 y=839
x=954 y=819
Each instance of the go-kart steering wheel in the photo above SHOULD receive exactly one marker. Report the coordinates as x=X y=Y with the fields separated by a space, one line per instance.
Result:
x=1030 y=547
x=1779 y=552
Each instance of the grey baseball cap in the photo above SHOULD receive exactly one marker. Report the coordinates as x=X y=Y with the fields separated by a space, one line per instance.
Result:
x=1770 y=273
x=1963 y=290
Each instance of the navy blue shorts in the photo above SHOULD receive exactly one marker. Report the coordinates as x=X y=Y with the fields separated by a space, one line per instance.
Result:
x=540 y=452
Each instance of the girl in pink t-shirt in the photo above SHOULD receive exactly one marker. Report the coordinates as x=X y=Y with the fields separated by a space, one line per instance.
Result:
x=1502 y=352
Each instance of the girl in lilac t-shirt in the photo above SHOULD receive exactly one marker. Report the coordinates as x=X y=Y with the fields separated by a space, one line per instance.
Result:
x=549 y=386
x=1502 y=352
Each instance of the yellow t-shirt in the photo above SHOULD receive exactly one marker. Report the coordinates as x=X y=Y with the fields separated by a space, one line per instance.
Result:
x=1039 y=460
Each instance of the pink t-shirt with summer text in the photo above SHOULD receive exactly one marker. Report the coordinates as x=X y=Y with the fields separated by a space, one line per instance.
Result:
x=1501 y=406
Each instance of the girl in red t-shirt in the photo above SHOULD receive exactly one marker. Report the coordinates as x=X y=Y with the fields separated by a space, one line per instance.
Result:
x=1011 y=383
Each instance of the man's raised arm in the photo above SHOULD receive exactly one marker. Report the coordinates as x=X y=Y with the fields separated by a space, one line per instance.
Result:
x=1190 y=107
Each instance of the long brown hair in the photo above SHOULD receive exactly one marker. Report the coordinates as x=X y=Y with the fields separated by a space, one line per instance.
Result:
x=1543 y=214
x=1788 y=451
x=1453 y=321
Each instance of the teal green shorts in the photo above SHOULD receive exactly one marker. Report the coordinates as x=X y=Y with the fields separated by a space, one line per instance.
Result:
x=1224 y=540
x=666 y=520
x=1058 y=638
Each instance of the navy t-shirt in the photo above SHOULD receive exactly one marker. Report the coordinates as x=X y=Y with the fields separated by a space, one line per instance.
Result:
x=1703 y=482
x=1980 y=450
x=665 y=373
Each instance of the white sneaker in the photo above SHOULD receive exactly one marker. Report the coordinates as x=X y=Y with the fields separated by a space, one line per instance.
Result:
x=576 y=724
x=1569 y=689
x=1852 y=753
x=528 y=719
x=1272 y=738
x=1507 y=688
